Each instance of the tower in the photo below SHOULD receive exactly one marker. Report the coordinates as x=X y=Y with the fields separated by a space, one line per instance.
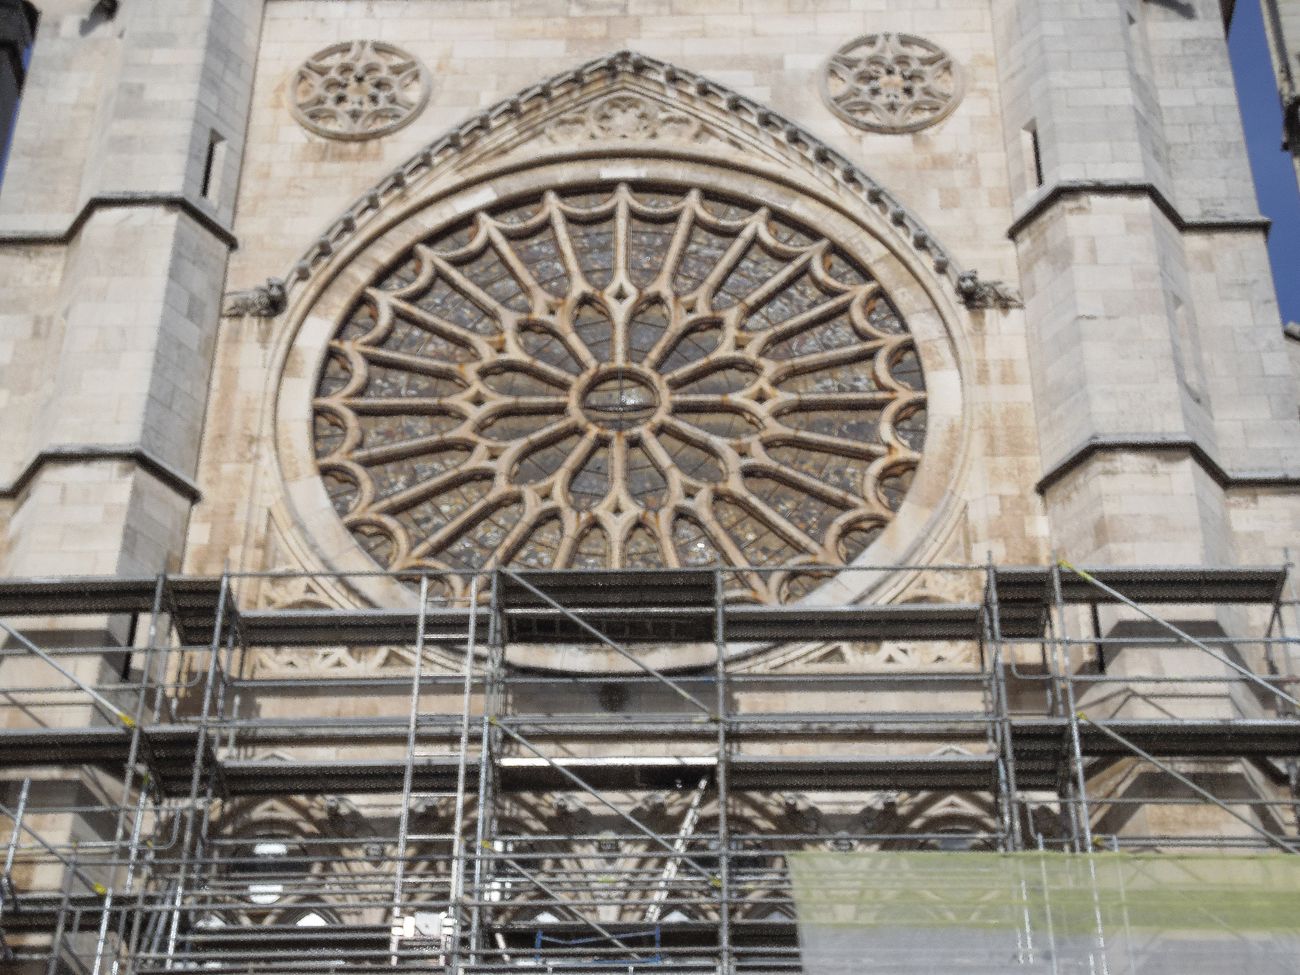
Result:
x=1280 y=19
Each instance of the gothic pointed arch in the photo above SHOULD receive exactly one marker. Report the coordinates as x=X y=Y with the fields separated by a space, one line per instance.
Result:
x=626 y=319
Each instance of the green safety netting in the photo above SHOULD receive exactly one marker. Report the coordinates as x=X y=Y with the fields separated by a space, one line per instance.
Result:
x=1118 y=914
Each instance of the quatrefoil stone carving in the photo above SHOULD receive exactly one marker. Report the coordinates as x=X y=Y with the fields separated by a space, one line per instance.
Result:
x=891 y=83
x=359 y=90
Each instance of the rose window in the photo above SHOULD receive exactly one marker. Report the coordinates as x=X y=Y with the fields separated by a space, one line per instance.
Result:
x=628 y=376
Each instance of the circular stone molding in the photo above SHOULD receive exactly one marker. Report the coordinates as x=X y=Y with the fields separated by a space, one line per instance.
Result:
x=631 y=374
x=432 y=356
x=891 y=83
x=359 y=90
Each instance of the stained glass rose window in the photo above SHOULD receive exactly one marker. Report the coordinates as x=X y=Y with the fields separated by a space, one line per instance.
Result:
x=620 y=376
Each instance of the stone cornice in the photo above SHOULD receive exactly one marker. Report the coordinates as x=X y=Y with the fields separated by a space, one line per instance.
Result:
x=1158 y=443
x=1105 y=187
x=80 y=453
x=115 y=201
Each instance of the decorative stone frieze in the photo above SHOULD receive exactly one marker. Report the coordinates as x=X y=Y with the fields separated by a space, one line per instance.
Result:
x=891 y=83
x=359 y=90
x=625 y=116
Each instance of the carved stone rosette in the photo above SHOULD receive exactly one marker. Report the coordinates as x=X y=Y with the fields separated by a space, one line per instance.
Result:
x=359 y=90
x=891 y=83
x=624 y=116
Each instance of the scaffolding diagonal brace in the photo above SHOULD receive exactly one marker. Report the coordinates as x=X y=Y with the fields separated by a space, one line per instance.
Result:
x=1278 y=841
x=558 y=900
x=620 y=650
x=1186 y=637
x=112 y=709
x=649 y=834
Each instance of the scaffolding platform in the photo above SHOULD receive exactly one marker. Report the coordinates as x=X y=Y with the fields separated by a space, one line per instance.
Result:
x=1040 y=746
x=190 y=600
x=605 y=821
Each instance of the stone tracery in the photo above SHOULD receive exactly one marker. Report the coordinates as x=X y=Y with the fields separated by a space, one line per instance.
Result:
x=891 y=83
x=359 y=90
x=641 y=75
x=628 y=376
x=625 y=116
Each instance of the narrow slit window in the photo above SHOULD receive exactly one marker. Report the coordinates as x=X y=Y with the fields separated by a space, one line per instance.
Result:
x=212 y=166
x=1033 y=154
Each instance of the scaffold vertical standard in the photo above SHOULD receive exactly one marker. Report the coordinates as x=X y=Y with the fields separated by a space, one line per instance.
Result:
x=182 y=809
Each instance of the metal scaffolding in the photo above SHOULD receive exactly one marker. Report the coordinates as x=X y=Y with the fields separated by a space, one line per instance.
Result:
x=171 y=805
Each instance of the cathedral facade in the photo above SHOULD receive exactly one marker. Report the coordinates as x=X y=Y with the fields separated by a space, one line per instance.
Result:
x=377 y=310
x=1063 y=208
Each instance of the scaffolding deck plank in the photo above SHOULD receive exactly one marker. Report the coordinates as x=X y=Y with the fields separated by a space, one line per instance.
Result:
x=38 y=912
x=668 y=588
x=638 y=605
x=1039 y=745
x=912 y=621
x=862 y=772
x=1142 y=584
x=67 y=595
x=359 y=627
x=439 y=774
x=191 y=600
x=632 y=624
x=1165 y=738
x=637 y=623
x=747 y=623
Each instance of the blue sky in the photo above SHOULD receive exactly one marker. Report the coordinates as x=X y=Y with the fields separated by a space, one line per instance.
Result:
x=1275 y=176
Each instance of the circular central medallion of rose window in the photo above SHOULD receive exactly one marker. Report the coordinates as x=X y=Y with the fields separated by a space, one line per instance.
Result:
x=620 y=399
x=620 y=376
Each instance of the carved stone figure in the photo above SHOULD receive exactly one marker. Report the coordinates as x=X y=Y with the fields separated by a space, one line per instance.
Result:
x=986 y=294
x=264 y=301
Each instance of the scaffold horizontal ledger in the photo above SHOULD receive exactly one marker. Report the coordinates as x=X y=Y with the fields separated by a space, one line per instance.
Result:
x=1032 y=768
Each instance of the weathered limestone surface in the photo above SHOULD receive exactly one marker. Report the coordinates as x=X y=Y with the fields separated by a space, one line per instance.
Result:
x=1153 y=325
x=1140 y=408
x=1146 y=378
x=953 y=177
x=115 y=226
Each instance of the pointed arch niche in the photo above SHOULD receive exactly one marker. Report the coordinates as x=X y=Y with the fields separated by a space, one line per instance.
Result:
x=599 y=149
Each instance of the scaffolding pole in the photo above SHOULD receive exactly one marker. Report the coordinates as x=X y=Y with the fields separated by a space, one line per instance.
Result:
x=613 y=898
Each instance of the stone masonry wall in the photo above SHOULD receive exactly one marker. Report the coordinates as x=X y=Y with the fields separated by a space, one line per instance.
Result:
x=1149 y=335
x=1153 y=328
x=117 y=255
x=953 y=176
